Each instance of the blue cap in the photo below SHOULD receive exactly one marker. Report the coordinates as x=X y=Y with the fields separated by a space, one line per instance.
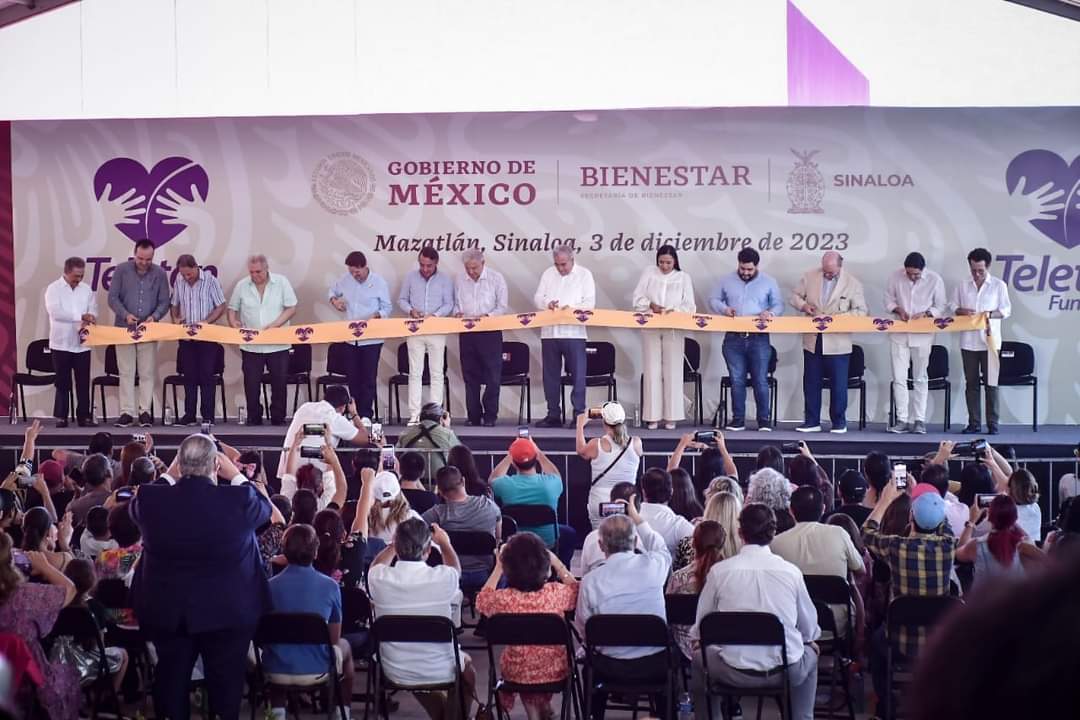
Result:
x=928 y=511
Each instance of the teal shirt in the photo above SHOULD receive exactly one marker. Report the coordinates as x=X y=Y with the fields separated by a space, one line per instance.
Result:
x=538 y=489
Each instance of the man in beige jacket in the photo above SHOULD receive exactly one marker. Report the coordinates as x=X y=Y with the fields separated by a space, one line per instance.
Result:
x=823 y=294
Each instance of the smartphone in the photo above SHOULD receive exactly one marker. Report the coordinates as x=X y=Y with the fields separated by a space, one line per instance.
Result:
x=791 y=447
x=900 y=476
x=21 y=561
x=983 y=500
x=705 y=436
x=125 y=493
x=376 y=431
x=311 y=453
x=595 y=413
x=386 y=456
x=313 y=429
x=208 y=428
x=138 y=437
x=523 y=431
x=612 y=508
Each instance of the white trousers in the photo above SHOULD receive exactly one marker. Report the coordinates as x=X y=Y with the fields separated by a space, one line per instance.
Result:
x=435 y=348
x=919 y=359
x=141 y=357
x=662 y=398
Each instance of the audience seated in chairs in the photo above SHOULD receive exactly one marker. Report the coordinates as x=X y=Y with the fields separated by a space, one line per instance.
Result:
x=722 y=507
x=1004 y=552
x=461 y=457
x=96 y=536
x=592 y=554
x=53 y=540
x=625 y=583
x=656 y=489
x=97 y=479
x=412 y=587
x=100 y=443
x=120 y=562
x=526 y=563
x=85 y=658
x=709 y=548
x=329 y=485
x=684 y=498
x=300 y=588
x=920 y=564
x=343 y=555
x=412 y=466
x=714 y=461
x=389 y=507
x=770 y=488
x=852 y=487
x=461 y=512
x=756 y=580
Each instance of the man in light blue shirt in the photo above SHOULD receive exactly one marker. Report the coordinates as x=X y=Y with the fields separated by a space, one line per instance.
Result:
x=478 y=292
x=361 y=295
x=426 y=293
x=258 y=302
x=742 y=293
x=626 y=583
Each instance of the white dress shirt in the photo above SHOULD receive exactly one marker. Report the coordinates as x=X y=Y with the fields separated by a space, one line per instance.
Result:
x=757 y=580
x=670 y=525
x=576 y=289
x=484 y=296
x=317 y=413
x=591 y=554
x=627 y=583
x=993 y=295
x=673 y=291
x=66 y=306
x=925 y=295
x=414 y=588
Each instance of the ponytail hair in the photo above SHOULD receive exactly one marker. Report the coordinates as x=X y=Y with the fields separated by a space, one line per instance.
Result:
x=330 y=530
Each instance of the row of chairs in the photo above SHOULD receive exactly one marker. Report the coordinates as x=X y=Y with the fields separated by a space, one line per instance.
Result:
x=1017 y=369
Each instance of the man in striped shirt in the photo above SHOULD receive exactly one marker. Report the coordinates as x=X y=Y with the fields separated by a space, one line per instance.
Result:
x=197 y=297
x=478 y=292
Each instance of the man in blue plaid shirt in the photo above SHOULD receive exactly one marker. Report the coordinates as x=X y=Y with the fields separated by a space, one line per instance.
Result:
x=920 y=564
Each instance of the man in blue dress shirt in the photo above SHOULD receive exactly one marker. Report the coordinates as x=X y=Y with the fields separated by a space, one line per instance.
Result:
x=362 y=295
x=747 y=292
x=426 y=292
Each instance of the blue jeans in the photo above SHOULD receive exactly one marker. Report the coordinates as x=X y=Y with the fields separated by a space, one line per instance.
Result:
x=555 y=352
x=748 y=353
x=817 y=366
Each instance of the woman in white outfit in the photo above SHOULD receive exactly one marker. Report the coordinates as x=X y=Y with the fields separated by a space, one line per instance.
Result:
x=614 y=456
x=663 y=289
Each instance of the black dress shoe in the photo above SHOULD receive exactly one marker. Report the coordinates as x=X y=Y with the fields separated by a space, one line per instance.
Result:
x=61 y=423
x=549 y=422
x=972 y=430
x=992 y=430
x=278 y=422
x=253 y=423
x=489 y=423
x=87 y=422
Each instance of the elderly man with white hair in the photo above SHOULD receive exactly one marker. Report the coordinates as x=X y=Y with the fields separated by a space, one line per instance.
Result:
x=199 y=587
x=626 y=583
x=259 y=302
x=478 y=292
x=831 y=291
x=565 y=284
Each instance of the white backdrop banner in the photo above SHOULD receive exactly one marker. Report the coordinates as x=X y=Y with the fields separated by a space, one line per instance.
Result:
x=873 y=184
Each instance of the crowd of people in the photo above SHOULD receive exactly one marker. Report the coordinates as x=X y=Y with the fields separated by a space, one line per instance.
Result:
x=212 y=542
x=140 y=293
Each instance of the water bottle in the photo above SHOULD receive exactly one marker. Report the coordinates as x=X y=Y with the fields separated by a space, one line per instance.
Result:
x=169 y=418
x=637 y=417
x=11 y=409
x=241 y=415
x=686 y=706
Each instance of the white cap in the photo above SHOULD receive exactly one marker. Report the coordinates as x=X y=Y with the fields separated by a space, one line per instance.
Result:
x=612 y=413
x=385 y=486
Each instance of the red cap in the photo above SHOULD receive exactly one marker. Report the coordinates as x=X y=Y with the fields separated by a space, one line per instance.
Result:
x=53 y=472
x=922 y=489
x=522 y=451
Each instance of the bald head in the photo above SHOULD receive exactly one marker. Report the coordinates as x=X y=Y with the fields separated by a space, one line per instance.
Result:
x=831 y=262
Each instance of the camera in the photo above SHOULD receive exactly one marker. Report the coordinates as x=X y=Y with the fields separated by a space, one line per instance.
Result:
x=311 y=453
x=523 y=431
x=313 y=429
x=975 y=449
x=983 y=500
x=607 y=509
x=900 y=476
x=24 y=472
x=386 y=456
x=595 y=413
x=707 y=437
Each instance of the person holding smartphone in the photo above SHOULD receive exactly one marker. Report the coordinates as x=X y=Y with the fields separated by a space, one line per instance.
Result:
x=337 y=413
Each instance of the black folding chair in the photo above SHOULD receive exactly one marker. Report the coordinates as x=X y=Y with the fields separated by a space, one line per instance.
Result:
x=79 y=624
x=531 y=629
x=337 y=364
x=621 y=631
x=1018 y=370
x=115 y=596
x=356 y=618
x=911 y=613
x=746 y=628
x=533 y=516
x=682 y=610
x=298 y=375
x=599 y=372
x=393 y=386
x=472 y=544
x=827 y=592
x=515 y=373
x=278 y=628
x=721 y=414
x=178 y=379
x=38 y=359
x=428 y=629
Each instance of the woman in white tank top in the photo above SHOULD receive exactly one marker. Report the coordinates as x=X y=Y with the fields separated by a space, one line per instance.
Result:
x=614 y=456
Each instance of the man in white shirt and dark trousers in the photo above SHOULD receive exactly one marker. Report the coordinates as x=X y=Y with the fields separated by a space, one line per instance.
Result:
x=756 y=580
x=911 y=293
x=71 y=306
x=982 y=293
x=656 y=486
x=197 y=298
x=479 y=292
x=626 y=583
x=566 y=284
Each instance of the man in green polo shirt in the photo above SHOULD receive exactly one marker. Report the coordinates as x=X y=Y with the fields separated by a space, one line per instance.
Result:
x=261 y=301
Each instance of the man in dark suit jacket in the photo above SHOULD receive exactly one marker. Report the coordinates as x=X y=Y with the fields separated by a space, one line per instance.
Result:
x=199 y=587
